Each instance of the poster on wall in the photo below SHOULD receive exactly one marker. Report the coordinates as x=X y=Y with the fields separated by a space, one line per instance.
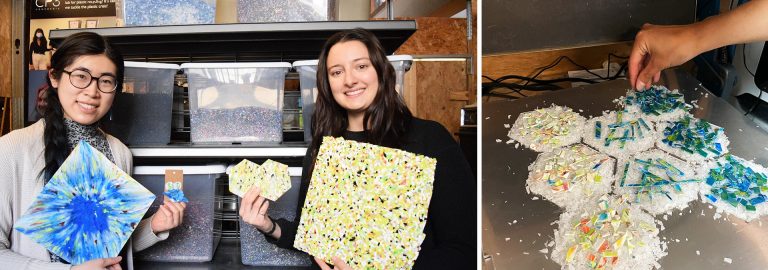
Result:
x=49 y=9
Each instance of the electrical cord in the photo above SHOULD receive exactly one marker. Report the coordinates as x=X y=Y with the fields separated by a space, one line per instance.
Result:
x=545 y=85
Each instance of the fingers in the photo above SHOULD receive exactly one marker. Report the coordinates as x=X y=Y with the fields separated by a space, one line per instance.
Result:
x=656 y=77
x=106 y=262
x=338 y=263
x=322 y=264
x=178 y=212
x=165 y=212
x=246 y=205
x=636 y=60
x=264 y=207
x=114 y=267
x=258 y=204
x=647 y=74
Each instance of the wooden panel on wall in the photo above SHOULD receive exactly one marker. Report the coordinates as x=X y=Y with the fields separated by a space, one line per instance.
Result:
x=528 y=63
x=472 y=87
x=436 y=36
x=5 y=48
x=441 y=93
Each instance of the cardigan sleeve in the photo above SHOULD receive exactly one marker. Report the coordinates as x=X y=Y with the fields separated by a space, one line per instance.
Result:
x=9 y=177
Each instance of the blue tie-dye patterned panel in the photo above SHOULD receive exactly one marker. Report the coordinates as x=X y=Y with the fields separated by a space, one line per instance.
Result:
x=88 y=209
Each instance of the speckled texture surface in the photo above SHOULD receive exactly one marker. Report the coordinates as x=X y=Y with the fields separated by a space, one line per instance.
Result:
x=252 y=11
x=193 y=240
x=169 y=12
x=246 y=124
x=255 y=249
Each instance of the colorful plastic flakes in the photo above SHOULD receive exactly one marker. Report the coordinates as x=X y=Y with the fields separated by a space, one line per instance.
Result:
x=366 y=204
x=87 y=210
x=569 y=166
x=622 y=130
x=604 y=234
x=272 y=177
x=653 y=183
x=694 y=136
x=737 y=184
x=176 y=195
x=547 y=126
x=656 y=100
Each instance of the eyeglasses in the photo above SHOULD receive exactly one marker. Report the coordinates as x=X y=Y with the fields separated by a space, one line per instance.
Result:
x=82 y=79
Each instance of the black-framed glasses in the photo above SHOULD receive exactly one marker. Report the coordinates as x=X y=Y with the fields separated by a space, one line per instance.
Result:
x=82 y=79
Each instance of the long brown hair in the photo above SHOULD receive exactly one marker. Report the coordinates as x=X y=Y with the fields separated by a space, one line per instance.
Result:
x=386 y=120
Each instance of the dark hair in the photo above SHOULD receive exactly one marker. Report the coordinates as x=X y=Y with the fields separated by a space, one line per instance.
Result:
x=386 y=120
x=43 y=40
x=71 y=48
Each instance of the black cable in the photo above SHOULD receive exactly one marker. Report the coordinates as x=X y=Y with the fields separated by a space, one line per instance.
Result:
x=744 y=59
x=759 y=96
x=507 y=77
x=547 y=85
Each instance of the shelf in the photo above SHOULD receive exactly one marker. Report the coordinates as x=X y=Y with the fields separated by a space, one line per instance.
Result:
x=219 y=151
x=227 y=256
x=256 y=42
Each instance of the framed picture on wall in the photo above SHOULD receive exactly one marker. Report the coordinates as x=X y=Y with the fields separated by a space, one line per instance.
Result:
x=74 y=24
x=91 y=23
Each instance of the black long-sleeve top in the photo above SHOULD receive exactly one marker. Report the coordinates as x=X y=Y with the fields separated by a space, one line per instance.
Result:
x=38 y=48
x=450 y=229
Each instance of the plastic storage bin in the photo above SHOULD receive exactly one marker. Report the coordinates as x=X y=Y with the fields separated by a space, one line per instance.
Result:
x=141 y=114
x=254 y=248
x=256 y=11
x=236 y=102
x=195 y=240
x=307 y=70
x=168 y=12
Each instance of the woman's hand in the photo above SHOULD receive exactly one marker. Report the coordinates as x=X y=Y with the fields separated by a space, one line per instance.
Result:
x=168 y=216
x=338 y=264
x=106 y=263
x=253 y=210
x=657 y=48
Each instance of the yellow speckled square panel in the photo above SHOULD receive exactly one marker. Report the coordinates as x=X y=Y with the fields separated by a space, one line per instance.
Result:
x=366 y=204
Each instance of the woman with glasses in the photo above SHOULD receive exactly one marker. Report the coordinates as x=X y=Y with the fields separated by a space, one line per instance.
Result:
x=85 y=75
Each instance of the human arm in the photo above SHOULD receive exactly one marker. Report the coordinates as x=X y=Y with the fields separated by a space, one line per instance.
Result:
x=659 y=47
x=452 y=211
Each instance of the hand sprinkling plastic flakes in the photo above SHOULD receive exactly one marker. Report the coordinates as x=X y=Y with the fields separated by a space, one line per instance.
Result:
x=87 y=210
x=366 y=204
x=272 y=177
x=571 y=176
x=609 y=235
x=545 y=129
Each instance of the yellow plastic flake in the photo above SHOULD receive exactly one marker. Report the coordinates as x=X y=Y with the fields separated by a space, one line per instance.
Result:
x=366 y=204
x=272 y=177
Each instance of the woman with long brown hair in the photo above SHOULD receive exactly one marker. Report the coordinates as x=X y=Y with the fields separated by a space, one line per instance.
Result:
x=357 y=100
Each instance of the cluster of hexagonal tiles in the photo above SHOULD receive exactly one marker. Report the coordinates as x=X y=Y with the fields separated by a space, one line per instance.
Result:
x=664 y=159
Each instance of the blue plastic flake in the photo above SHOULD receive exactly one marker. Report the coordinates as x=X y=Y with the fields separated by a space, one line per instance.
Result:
x=656 y=100
x=693 y=136
x=598 y=129
x=651 y=183
x=630 y=130
x=176 y=195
